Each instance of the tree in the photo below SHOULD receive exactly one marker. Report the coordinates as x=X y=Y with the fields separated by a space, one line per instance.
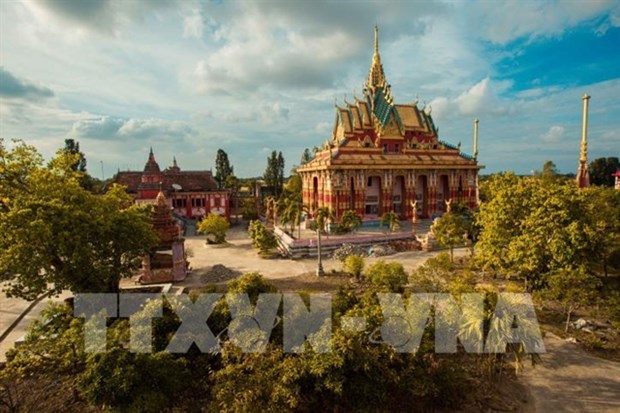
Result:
x=72 y=147
x=354 y=265
x=306 y=156
x=601 y=169
x=232 y=183
x=573 y=288
x=274 y=174
x=216 y=226
x=250 y=211
x=392 y=220
x=57 y=235
x=390 y=276
x=322 y=217
x=222 y=168
x=262 y=238
x=450 y=231
x=350 y=221
x=549 y=171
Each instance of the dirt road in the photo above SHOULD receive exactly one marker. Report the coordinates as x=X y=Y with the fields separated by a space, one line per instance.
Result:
x=571 y=380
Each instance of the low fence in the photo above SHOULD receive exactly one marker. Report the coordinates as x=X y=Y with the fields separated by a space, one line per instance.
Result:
x=301 y=248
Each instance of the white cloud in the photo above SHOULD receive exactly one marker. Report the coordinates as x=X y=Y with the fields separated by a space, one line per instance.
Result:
x=110 y=128
x=503 y=22
x=265 y=113
x=193 y=25
x=554 y=134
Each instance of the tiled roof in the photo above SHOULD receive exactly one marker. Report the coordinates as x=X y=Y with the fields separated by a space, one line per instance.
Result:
x=189 y=181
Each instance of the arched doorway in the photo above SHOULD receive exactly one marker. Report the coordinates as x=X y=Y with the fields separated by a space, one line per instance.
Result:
x=398 y=195
x=315 y=194
x=422 y=195
x=372 y=206
x=443 y=193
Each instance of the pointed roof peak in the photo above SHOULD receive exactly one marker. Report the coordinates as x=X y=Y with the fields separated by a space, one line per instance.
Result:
x=376 y=39
x=376 y=77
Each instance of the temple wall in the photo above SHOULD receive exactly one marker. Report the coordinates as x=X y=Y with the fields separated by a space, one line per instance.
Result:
x=333 y=190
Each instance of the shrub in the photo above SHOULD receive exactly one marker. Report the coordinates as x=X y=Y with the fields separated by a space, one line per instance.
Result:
x=350 y=221
x=262 y=238
x=354 y=264
x=391 y=276
x=216 y=226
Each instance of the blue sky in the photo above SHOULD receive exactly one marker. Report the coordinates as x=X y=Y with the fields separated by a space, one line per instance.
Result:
x=189 y=77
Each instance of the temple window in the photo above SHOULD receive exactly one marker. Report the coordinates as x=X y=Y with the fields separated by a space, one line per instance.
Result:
x=179 y=203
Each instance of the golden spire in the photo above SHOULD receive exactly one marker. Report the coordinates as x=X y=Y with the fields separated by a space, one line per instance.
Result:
x=584 y=131
x=376 y=77
x=583 y=177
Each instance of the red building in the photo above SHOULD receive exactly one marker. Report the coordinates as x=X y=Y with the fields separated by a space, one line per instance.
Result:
x=192 y=194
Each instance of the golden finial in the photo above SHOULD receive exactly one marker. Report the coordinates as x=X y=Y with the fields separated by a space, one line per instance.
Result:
x=376 y=39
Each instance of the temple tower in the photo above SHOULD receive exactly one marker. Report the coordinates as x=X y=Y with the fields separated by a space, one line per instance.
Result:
x=583 y=177
x=166 y=262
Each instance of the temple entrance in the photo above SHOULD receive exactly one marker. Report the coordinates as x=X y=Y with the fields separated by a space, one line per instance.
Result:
x=459 y=193
x=398 y=194
x=422 y=195
x=372 y=204
x=315 y=194
x=443 y=193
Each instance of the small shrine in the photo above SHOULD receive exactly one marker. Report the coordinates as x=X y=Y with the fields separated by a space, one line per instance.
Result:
x=166 y=262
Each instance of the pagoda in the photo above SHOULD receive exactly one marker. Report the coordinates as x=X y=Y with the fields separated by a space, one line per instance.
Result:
x=384 y=156
x=167 y=261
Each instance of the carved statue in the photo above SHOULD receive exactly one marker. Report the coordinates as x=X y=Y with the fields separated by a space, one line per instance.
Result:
x=414 y=214
x=448 y=205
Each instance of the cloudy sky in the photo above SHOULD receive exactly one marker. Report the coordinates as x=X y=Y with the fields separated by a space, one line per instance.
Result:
x=189 y=77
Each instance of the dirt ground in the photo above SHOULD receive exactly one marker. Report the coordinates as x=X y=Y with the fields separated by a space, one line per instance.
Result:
x=571 y=380
x=238 y=254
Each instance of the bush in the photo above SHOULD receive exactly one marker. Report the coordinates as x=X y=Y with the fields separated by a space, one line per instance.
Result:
x=350 y=221
x=435 y=274
x=390 y=276
x=354 y=264
x=261 y=237
x=216 y=226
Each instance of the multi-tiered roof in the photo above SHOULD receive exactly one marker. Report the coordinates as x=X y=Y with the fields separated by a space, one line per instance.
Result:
x=376 y=132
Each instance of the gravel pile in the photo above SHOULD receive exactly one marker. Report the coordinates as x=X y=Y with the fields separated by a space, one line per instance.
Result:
x=348 y=249
x=219 y=273
x=379 y=250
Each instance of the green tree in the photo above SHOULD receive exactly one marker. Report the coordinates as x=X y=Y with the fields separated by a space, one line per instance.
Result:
x=531 y=227
x=573 y=288
x=354 y=265
x=222 y=168
x=72 y=147
x=262 y=238
x=57 y=235
x=450 y=231
x=601 y=169
x=306 y=156
x=250 y=211
x=216 y=226
x=601 y=215
x=392 y=220
x=549 y=171
x=350 y=221
x=322 y=217
x=390 y=276
x=232 y=183
x=274 y=174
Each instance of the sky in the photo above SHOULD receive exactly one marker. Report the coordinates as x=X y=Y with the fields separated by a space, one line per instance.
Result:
x=249 y=77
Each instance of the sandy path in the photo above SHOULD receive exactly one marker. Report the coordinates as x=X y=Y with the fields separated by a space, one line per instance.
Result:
x=571 y=380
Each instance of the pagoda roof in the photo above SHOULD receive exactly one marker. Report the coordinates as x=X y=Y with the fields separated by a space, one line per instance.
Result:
x=189 y=181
